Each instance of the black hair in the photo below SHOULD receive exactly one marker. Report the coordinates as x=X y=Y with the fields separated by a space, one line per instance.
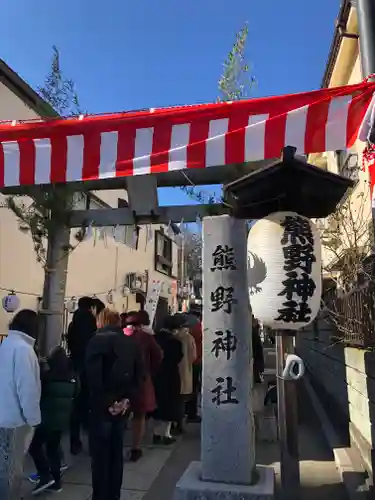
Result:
x=144 y=317
x=59 y=364
x=196 y=312
x=174 y=322
x=86 y=303
x=123 y=317
x=133 y=318
x=25 y=321
x=98 y=304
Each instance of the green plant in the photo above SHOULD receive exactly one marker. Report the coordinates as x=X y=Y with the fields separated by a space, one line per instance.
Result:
x=49 y=207
x=236 y=82
x=58 y=91
x=193 y=253
x=42 y=215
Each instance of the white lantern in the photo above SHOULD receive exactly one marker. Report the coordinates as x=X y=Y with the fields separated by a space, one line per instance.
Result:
x=11 y=302
x=284 y=270
x=71 y=305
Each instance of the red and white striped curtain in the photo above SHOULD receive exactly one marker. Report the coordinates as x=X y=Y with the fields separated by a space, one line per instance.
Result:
x=162 y=140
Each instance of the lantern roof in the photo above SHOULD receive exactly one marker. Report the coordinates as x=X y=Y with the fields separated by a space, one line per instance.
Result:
x=288 y=184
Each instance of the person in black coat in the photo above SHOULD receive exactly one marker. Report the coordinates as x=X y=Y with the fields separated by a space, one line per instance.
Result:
x=167 y=382
x=115 y=371
x=80 y=331
x=258 y=355
x=59 y=388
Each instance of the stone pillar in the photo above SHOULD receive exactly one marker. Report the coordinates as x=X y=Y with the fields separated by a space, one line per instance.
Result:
x=228 y=445
x=227 y=469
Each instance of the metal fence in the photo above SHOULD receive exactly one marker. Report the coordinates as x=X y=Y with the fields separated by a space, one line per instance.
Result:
x=353 y=316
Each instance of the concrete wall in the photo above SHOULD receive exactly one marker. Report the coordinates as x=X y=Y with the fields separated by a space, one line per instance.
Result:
x=95 y=267
x=344 y=378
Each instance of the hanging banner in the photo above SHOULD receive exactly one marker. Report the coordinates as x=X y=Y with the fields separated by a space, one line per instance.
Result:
x=198 y=136
x=152 y=299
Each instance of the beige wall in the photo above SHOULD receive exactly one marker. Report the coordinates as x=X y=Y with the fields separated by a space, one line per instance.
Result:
x=93 y=268
x=346 y=376
x=18 y=267
x=97 y=266
x=347 y=71
x=347 y=54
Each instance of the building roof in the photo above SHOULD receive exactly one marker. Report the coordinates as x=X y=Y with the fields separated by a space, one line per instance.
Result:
x=341 y=22
x=21 y=89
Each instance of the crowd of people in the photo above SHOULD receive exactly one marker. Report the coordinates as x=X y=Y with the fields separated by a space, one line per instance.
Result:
x=116 y=366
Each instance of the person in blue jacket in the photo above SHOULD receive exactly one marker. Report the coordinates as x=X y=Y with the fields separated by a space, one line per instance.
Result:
x=20 y=397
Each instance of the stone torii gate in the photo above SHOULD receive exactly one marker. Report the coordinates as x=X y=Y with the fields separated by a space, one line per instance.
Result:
x=232 y=139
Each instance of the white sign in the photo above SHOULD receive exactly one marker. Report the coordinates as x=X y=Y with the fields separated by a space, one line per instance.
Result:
x=152 y=299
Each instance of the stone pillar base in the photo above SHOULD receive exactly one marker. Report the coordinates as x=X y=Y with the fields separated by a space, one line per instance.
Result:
x=191 y=487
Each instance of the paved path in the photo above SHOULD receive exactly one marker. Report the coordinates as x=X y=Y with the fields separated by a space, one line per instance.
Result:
x=155 y=475
x=138 y=477
x=319 y=477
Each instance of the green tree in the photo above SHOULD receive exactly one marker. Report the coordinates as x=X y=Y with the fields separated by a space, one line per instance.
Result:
x=193 y=253
x=235 y=83
x=58 y=91
x=45 y=215
x=49 y=206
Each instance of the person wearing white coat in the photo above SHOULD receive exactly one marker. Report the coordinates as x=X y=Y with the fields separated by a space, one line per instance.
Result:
x=20 y=390
x=186 y=369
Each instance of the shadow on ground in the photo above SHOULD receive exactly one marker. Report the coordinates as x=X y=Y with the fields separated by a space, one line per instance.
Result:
x=319 y=477
x=188 y=451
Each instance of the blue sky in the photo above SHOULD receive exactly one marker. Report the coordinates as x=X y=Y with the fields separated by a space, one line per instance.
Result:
x=125 y=54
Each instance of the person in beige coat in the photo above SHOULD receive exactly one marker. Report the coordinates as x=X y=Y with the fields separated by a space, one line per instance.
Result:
x=186 y=370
